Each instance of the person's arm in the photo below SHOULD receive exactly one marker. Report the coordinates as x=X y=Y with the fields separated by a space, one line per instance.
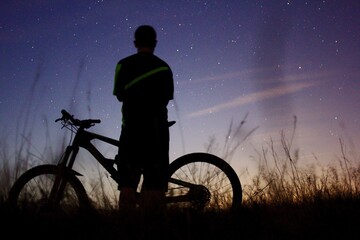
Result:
x=170 y=86
x=117 y=85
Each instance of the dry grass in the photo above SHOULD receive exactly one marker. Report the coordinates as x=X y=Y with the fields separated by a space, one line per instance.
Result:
x=282 y=180
x=285 y=200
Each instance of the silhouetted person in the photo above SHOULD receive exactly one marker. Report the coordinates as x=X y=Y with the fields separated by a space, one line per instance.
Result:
x=144 y=85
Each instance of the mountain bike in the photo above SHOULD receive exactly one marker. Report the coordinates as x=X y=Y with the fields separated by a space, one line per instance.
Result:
x=196 y=180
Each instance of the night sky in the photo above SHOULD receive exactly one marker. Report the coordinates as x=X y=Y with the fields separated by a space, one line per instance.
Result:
x=272 y=60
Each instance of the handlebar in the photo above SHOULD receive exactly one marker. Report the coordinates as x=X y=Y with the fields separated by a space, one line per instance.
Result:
x=87 y=123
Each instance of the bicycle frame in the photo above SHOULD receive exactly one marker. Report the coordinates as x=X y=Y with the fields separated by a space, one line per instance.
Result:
x=217 y=185
x=83 y=139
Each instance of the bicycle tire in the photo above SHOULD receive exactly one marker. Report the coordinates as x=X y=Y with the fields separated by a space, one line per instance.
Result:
x=30 y=192
x=211 y=172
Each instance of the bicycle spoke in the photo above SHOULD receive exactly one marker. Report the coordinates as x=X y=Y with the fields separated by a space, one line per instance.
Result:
x=30 y=193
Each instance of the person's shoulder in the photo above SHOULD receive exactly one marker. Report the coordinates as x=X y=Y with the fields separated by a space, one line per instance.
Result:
x=161 y=61
x=128 y=58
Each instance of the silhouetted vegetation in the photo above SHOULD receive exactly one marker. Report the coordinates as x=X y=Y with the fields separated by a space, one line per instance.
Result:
x=285 y=201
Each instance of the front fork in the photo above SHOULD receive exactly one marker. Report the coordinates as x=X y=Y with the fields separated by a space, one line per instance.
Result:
x=61 y=177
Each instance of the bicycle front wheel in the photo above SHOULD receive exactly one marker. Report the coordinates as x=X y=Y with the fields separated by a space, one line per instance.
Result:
x=203 y=181
x=30 y=192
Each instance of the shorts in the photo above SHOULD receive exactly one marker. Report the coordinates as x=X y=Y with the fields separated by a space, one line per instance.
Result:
x=143 y=150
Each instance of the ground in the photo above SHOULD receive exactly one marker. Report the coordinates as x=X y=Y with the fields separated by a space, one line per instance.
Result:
x=337 y=219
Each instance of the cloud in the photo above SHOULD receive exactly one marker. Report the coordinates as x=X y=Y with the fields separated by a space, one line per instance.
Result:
x=255 y=97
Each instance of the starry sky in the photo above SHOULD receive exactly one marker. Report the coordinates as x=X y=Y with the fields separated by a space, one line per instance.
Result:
x=266 y=61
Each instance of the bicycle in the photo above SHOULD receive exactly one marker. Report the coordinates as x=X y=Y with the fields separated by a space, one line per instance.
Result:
x=196 y=180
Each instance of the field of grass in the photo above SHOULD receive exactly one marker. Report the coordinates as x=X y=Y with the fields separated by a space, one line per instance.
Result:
x=283 y=201
x=331 y=219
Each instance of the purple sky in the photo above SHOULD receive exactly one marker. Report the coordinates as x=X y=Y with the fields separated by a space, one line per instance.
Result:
x=272 y=60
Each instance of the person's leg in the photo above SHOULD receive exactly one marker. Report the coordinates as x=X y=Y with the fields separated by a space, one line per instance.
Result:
x=153 y=204
x=153 y=201
x=129 y=169
x=128 y=213
x=155 y=177
x=127 y=198
x=153 y=214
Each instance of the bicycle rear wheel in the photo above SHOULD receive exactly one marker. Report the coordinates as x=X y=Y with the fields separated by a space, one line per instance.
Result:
x=215 y=184
x=30 y=192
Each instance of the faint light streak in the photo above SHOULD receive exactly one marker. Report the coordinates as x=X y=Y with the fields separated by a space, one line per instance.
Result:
x=255 y=97
x=244 y=75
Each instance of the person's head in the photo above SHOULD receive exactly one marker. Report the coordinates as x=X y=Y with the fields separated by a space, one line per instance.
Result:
x=145 y=37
